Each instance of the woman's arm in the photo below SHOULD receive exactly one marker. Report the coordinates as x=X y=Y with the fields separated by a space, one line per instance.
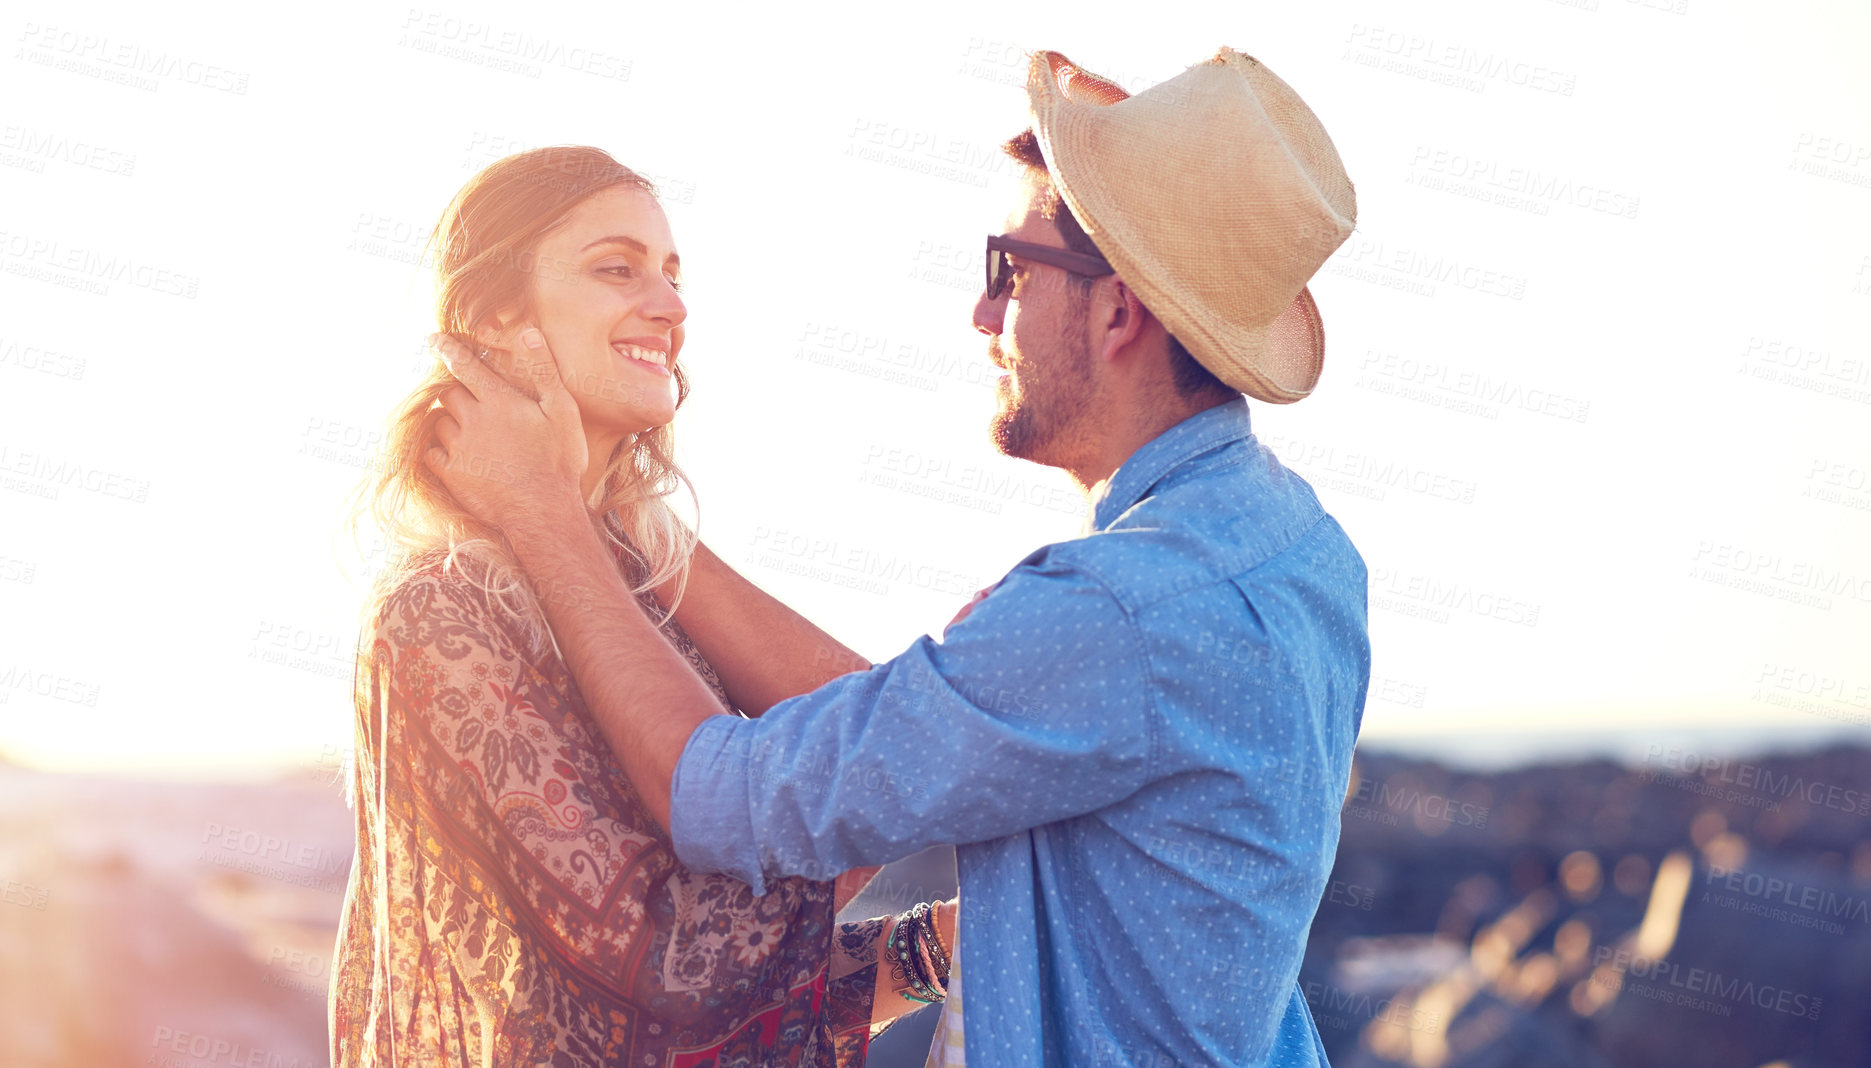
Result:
x=860 y=967
x=763 y=651
x=889 y=1002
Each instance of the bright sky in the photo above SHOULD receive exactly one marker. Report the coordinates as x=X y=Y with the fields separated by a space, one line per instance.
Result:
x=1594 y=407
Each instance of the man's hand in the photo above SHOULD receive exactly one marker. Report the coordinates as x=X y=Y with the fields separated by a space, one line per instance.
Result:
x=508 y=457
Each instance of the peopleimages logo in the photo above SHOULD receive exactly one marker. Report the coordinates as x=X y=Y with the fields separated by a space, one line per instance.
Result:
x=24 y=679
x=98 y=268
x=53 y=473
x=215 y=1050
x=1465 y=389
x=504 y=48
x=258 y=853
x=1425 y=805
x=862 y=566
x=1691 y=981
x=28 y=357
x=1542 y=189
x=116 y=60
x=1790 y=893
x=1451 y=63
x=1433 y=598
x=1761 y=780
x=1348 y=1008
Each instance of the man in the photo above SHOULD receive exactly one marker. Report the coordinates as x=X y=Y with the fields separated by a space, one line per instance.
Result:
x=1140 y=739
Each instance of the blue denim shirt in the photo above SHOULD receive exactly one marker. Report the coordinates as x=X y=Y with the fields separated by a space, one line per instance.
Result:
x=1138 y=743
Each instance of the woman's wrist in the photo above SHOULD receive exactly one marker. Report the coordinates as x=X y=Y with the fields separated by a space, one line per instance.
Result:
x=918 y=962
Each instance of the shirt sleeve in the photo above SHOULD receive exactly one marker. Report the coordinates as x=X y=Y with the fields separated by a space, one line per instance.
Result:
x=1033 y=708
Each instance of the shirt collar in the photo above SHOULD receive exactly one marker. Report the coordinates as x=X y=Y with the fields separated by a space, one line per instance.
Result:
x=1188 y=439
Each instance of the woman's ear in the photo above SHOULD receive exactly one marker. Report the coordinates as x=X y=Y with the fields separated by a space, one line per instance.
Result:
x=501 y=334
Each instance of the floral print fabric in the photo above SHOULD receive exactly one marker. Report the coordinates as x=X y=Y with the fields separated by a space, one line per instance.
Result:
x=512 y=903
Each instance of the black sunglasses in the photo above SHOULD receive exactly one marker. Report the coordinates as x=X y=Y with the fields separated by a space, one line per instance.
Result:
x=1000 y=272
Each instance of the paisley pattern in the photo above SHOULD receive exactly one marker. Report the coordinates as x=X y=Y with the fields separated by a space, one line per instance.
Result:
x=512 y=903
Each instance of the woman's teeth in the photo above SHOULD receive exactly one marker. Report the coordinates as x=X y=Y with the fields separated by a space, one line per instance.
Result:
x=653 y=358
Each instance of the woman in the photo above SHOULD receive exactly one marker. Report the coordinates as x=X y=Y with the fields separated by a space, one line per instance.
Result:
x=510 y=901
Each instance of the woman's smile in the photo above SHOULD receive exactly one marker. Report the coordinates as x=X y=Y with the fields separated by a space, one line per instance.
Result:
x=649 y=353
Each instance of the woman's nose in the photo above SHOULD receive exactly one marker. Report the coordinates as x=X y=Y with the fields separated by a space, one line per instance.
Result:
x=666 y=305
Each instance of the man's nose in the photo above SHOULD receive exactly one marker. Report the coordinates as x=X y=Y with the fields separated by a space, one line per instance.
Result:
x=989 y=315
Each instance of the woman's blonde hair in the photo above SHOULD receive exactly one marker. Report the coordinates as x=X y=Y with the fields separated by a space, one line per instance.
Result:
x=485 y=253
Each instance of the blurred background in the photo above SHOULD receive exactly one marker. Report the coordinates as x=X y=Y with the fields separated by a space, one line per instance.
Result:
x=1599 y=366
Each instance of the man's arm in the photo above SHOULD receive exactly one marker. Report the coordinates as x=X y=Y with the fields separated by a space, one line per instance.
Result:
x=1035 y=708
x=763 y=651
x=640 y=690
x=516 y=463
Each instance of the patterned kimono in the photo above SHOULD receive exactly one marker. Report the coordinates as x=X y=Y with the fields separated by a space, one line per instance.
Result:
x=511 y=902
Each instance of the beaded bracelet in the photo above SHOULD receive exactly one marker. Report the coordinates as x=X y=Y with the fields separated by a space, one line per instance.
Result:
x=933 y=939
x=917 y=955
x=911 y=964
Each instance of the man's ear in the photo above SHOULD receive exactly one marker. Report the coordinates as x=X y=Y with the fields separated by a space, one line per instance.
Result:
x=1122 y=320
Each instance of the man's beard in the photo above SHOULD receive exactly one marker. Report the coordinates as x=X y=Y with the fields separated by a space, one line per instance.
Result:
x=1046 y=422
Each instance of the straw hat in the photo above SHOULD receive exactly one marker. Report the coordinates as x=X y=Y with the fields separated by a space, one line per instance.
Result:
x=1216 y=195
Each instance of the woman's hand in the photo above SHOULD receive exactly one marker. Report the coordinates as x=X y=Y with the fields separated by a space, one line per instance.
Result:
x=507 y=458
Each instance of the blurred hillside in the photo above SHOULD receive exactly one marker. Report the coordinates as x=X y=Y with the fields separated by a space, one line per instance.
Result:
x=1687 y=910
x=167 y=923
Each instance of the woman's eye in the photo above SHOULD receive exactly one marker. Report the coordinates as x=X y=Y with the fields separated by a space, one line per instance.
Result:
x=622 y=271
x=674 y=282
